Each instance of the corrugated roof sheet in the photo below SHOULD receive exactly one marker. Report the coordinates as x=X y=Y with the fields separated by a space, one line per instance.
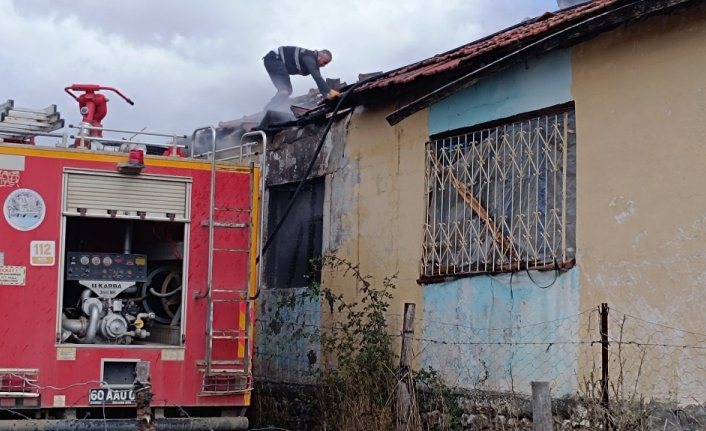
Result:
x=530 y=29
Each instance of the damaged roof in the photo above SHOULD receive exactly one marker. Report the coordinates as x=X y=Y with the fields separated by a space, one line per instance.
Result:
x=444 y=74
x=512 y=36
x=453 y=70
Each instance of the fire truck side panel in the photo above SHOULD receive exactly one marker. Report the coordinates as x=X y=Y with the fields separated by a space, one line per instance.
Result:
x=33 y=271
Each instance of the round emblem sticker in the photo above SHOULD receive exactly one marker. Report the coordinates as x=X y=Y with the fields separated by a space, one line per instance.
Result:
x=24 y=209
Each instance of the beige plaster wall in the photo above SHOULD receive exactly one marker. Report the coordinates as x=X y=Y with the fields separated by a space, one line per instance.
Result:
x=382 y=194
x=640 y=96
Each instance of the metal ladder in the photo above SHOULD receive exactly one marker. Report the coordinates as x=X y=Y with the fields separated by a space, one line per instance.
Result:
x=227 y=361
x=18 y=124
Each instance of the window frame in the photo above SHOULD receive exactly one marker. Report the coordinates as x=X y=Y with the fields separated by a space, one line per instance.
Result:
x=314 y=250
x=447 y=249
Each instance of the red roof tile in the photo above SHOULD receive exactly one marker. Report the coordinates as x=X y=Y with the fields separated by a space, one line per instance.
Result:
x=530 y=29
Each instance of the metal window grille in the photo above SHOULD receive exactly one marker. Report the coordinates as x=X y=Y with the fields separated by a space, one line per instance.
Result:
x=501 y=199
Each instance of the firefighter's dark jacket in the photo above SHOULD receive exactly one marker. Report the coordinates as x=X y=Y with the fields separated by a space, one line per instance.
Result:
x=300 y=61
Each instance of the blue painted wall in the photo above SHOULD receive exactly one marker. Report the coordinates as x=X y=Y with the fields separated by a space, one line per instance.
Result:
x=284 y=349
x=533 y=85
x=502 y=332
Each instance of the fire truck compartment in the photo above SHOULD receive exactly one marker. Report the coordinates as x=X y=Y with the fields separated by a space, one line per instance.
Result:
x=123 y=281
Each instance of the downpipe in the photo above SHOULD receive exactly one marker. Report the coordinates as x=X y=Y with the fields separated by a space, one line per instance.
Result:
x=165 y=424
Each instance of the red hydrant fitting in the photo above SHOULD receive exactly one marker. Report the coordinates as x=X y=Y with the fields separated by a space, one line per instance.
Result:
x=93 y=105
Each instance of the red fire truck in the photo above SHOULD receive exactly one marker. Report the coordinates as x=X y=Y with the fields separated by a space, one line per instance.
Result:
x=126 y=280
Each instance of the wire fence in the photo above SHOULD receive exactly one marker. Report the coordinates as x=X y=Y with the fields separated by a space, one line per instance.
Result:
x=634 y=360
x=654 y=360
x=505 y=359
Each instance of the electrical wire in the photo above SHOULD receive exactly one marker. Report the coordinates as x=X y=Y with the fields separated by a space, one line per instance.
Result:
x=15 y=412
x=31 y=383
x=613 y=310
x=308 y=170
x=556 y=277
x=56 y=388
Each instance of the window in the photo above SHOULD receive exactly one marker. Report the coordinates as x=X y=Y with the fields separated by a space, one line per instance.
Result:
x=300 y=238
x=501 y=198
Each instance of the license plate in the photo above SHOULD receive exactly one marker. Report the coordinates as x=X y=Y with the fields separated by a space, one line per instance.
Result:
x=111 y=396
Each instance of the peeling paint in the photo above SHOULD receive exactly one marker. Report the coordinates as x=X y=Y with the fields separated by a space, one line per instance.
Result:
x=502 y=332
x=628 y=209
x=640 y=238
x=283 y=351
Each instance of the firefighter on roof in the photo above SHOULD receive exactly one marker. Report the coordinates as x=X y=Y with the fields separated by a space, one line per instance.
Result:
x=293 y=60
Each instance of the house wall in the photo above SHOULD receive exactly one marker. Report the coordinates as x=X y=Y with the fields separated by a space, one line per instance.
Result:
x=469 y=314
x=532 y=85
x=501 y=333
x=640 y=96
x=283 y=352
x=288 y=317
x=373 y=216
x=641 y=216
x=377 y=207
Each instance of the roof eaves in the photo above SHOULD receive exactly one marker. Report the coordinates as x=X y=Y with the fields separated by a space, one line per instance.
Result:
x=534 y=43
x=512 y=36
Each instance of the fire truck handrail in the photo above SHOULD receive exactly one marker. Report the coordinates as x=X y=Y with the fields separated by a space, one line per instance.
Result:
x=209 y=280
x=207 y=154
x=263 y=177
x=241 y=149
x=253 y=133
x=166 y=135
x=122 y=141
x=10 y=132
x=23 y=134
x=84 y=128
x=196 y=132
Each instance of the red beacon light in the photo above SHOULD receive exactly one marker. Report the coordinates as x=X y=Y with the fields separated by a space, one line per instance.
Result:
x=136 y=157
x=135 y=161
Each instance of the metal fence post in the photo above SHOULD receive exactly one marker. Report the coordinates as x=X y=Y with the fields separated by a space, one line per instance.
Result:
x=404 y=401
x=604 y=364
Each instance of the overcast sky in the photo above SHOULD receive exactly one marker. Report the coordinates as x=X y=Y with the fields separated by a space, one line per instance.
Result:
x=188 y=64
